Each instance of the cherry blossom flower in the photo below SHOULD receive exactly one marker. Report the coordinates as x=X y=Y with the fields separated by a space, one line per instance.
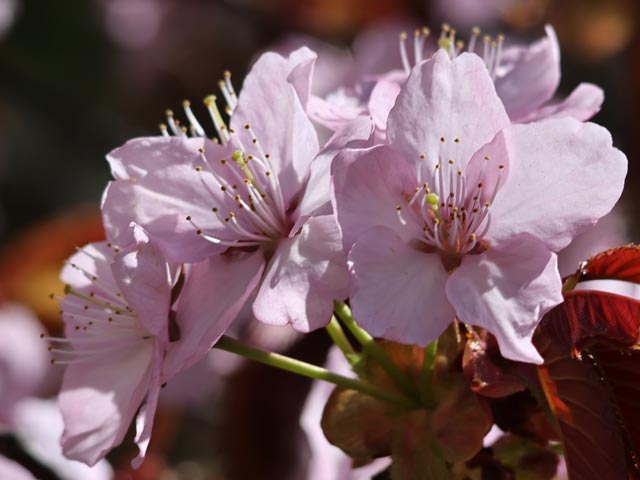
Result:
x=460 y=214
x=526 y=79
x=133 y=320
x=264 y=188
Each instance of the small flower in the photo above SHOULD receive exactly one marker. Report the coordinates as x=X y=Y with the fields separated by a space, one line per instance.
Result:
x=132 y=321
x=461 y=213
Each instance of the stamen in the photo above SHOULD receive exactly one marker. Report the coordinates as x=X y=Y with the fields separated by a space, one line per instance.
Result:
x=195 y=125
x=216 y=118
x=403 y=53
x=232 y=93
x=475 y=32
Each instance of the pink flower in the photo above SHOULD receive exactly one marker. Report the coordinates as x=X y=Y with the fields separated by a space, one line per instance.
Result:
x=461 y=213
x=134 y=320
x=526 y=79
x=264 y=188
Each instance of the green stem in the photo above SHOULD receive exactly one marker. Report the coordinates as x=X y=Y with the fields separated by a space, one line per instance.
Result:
x=311 y=371
x=340 y=339
x=373 y=349
x=426 y=386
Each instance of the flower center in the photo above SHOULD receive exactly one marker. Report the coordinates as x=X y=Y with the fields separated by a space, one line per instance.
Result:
x=453 y=206
x=252 y=205
x=491 y=50
x=99 y=323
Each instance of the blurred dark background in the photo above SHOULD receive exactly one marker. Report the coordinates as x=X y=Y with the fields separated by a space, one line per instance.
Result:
x=78 y=78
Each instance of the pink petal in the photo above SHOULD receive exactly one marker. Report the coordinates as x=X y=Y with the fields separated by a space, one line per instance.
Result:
x=383 y=98
x=95 y=260
x=333 y=66
x=139 y=156
x=160 y=202
x=398 y=292
x=316 y=197
x=529 y=76
x=333 y=115
x=273 y=101
x=582 y=104
x=368 y=185
x=144 y=419
x=143 y=278
x=306 y=274
x=507 y=290
x=98 y=400
x=214 y=292
x=453 y=99
x=564 y=175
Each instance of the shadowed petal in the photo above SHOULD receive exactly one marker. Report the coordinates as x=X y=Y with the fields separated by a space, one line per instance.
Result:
x=214 y=292
x=529 y=76
x=143 y=277
x=316 y=197
x=273 y=101
x=368 y=186
x=398 y=292
x=144 y=419
x=507 y=290
x=160 y=202
x=98 y=400
x=306 y=274
x=139 y=156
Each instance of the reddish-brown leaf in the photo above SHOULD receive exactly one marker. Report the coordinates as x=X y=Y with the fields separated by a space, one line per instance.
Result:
x=460 y=421
x=416 y=454
x=361 y=425
x=620 y=263
x=587 y=316
x=592 y=439
x=483 y=369
x=591 y=379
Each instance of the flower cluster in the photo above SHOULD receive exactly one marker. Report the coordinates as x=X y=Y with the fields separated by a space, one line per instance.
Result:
x=444 y=194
